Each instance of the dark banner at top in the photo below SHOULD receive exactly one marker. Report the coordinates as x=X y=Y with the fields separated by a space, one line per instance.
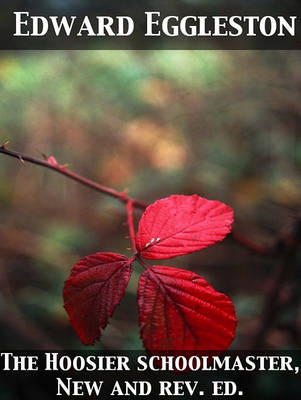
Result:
x=181 y=24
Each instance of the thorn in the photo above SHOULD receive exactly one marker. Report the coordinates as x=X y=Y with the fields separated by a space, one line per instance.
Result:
x=44 y=156
x=21 y=159
x=51 y=160
x=4 y=144
x=129 y=248
x=125 y=191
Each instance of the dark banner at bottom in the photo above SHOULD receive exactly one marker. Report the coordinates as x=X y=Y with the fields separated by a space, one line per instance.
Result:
x=134 y=375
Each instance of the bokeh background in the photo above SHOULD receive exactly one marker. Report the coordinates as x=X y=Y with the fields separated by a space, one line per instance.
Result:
x=222 y=124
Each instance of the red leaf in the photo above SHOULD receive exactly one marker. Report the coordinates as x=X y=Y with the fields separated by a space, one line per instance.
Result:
x=180 y=225
x=93 y=290
x=179 y=310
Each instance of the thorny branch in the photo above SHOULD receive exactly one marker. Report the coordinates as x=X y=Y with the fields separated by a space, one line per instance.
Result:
x=50 y=163
x=61 y=169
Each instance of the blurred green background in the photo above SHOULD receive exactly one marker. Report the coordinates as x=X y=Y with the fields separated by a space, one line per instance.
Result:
x=222 y=124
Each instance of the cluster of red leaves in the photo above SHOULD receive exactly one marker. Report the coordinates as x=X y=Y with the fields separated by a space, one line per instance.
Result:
x=178 y=309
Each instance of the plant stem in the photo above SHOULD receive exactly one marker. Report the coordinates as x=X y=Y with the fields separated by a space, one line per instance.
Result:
x=141 y=262
x=76 y=177
x=121 y=196
x=129 y=208
x=255 y=247
x=279 y=278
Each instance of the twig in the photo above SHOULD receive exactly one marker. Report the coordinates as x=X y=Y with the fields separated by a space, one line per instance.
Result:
x=121 y=196
x=76 y=177
x=262 y=249
x=277 y=281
